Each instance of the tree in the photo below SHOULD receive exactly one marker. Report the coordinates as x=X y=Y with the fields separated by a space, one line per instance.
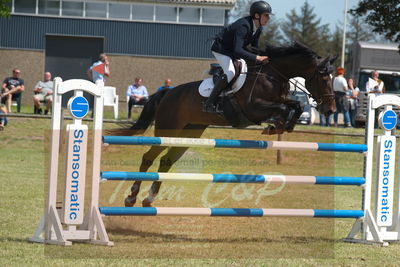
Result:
x=359 y=31
x=241 y=9
x=382 y=15
x=334 y=46
x=5 y=8
x=271 y=34
x=307 y=29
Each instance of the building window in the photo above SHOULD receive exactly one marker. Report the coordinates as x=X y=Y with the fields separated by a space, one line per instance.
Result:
x=119 y=11
x=213 y=16
x=49 y=7
x=189 y=14
x=166 y=13
x=142 y=12
x=72 y=8
x=25 y=6
x=96 y=10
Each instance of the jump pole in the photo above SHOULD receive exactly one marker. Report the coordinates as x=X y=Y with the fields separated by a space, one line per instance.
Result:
x=229 y=212
x=229 y=143
x=231 y=178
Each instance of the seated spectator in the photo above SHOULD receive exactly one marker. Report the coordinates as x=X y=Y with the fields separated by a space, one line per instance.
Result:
x=12 y=86
x=137 y=94
x=374 y=84
x=3 y=120
x=44 y=93
x=167 y=85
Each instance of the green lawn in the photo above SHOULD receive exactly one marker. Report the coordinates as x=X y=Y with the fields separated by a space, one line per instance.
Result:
x=194 y=241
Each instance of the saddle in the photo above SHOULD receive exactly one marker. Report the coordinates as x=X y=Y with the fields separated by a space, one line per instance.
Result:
x=226 y=104
x=216 y=71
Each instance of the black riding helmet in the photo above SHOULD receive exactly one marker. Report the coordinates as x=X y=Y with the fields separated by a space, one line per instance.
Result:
x=260 y=7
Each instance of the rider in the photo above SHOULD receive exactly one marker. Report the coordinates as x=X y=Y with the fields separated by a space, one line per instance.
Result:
x=231 y=42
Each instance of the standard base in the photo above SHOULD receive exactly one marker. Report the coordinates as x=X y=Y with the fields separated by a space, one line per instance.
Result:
x=365 y=242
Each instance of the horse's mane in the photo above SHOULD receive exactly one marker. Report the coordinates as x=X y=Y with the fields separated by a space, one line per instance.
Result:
x=294 y=49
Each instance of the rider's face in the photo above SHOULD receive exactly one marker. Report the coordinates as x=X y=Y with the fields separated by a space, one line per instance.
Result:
x=264 y=19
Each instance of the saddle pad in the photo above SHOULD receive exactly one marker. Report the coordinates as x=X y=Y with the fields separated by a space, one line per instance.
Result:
x=207 y=85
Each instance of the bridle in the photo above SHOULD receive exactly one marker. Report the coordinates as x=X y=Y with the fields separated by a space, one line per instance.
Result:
x=323 y=96
x=297 y=85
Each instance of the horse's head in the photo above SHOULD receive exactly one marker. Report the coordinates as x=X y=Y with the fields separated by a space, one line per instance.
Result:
x=299 y=60
x=319 y=84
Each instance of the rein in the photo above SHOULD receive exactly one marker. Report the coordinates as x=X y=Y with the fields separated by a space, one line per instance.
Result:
x=296 y=84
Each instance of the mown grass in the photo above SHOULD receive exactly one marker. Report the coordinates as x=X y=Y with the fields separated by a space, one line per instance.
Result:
x=194 y=241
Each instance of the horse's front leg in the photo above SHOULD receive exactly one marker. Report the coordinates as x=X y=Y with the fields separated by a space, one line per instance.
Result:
x=295 y=110
x=272 y=112
x=147 y=160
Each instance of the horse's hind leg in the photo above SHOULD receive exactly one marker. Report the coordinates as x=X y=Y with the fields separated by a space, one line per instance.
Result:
x=166 y=162
x=147 y=160
x=172 y=156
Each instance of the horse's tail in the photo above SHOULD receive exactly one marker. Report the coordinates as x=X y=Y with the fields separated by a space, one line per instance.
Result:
x=149 y=111
x=145 y=119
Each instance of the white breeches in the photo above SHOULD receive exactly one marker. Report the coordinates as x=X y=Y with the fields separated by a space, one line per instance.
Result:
x=227 y=65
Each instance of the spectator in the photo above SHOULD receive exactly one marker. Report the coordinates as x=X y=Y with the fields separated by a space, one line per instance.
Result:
x=137 y=94
x=43 y=92
x=167 y=85
x=340 y=88
x=352 y=97
x=324 y=121
x=3 y=119
x=99 y=69
x=374 y=84
x=12 y=86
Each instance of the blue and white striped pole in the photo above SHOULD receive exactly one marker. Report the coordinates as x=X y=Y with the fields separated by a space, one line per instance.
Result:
x=231 y=178
x=229 y=212
x=227 y=143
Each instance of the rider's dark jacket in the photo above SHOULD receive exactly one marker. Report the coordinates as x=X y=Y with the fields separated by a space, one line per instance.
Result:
x=233 y=39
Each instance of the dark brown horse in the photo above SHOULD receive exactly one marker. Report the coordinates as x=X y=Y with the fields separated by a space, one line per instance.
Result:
x=263 y=98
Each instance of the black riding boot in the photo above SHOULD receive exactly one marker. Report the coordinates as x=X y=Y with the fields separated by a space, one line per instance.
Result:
x=219 y=86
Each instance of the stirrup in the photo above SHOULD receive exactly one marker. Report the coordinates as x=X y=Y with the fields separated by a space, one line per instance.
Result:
x=211 y=108
x=208 y=108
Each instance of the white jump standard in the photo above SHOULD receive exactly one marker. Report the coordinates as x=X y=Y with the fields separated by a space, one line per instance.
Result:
x=60 y=227
x=74 y=223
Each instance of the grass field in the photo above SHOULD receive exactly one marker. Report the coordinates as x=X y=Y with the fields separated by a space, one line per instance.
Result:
x=198 y=241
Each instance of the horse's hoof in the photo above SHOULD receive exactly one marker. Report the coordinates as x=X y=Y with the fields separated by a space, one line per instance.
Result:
x=268 y=130
x=146 y=203
x=289 y=128
x=130 y=201
x=271 y=130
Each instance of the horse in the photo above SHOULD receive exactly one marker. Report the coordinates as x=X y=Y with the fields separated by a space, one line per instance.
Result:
x=178 y=112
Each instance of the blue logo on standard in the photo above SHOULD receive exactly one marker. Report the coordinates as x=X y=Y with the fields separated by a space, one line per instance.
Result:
x=389 y=120
x=79 y=107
